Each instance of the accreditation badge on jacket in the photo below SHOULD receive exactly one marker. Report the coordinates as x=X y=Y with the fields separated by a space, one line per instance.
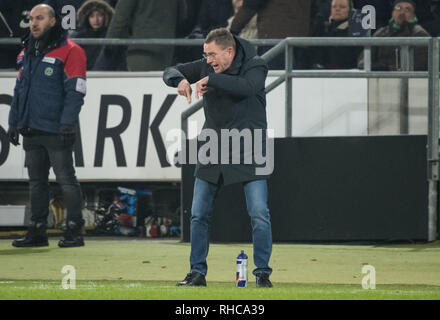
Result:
x=48 y=71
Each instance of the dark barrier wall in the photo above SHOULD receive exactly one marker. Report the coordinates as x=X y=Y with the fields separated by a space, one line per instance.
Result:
x=332 y=189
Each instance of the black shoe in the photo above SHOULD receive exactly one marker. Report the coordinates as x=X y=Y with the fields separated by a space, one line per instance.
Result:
x=35 y=237
x=193 y=279
x=26 y=242
x=70 y=243
x=72 y=237
x=263 y=281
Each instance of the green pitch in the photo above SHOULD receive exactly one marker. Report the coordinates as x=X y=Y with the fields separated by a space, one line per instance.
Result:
x=149 y=269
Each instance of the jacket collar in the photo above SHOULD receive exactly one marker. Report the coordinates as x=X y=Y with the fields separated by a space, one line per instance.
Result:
x=236 y=64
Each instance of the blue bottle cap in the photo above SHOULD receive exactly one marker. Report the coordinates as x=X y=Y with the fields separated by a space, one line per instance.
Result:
x=242 y=255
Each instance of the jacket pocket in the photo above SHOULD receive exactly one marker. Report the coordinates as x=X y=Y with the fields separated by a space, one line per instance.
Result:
x=49 y=106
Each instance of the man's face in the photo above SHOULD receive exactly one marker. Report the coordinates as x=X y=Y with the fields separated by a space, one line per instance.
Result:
x=40 y=21
x=403 y=12
x=219 y=58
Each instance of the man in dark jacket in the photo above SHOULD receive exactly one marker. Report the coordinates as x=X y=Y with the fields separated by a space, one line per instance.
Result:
x=231 y=79
x=403 y=23
x=48 y=96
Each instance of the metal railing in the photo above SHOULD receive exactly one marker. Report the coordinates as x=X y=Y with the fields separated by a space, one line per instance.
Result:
x=287 y=45
x=146 y=42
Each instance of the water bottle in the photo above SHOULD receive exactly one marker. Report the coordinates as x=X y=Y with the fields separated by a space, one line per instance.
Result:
x=241 y=275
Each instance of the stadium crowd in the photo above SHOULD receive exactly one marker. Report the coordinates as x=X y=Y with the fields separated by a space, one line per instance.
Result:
x=250 y=19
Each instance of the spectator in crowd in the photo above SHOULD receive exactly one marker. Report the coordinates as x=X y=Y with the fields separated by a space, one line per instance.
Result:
x=138 y=19
x=94 y=17
x=403 y=23
x=277 y=19
x=14 y=23
x=424 y=12
x=48 y=97
x=337 y=25
x=250 y=31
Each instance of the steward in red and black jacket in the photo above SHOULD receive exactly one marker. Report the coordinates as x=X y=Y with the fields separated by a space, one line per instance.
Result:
x=51 y=84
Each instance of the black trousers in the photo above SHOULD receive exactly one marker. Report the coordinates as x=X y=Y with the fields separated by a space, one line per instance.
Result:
x=51 y=150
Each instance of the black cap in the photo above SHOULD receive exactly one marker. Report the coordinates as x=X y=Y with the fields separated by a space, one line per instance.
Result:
x=409 y=1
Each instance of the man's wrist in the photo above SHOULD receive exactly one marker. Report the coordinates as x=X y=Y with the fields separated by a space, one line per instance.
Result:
x=177 y=81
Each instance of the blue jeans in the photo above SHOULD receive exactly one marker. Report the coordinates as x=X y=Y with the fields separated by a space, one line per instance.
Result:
x=256 y=202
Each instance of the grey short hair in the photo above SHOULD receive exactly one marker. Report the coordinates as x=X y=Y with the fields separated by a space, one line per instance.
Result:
x=222 y=37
